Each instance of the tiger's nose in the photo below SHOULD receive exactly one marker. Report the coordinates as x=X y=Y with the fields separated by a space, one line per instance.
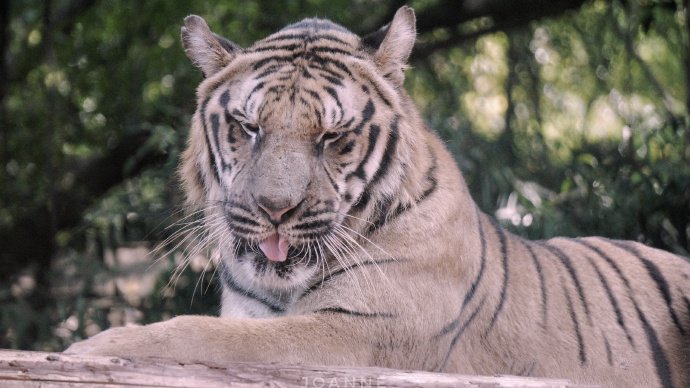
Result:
x=276 y=212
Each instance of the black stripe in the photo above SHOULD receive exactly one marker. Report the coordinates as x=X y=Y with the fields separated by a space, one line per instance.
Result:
x=276 y=47
x=308 y=37
x=345 y=51
x=211 y=155
x=320 y=62
x=659 y=357
x=238 y=113
x=573 y=275
x=334 y=94
x=609 y=355
x=332 y=50
x=333 y=80
x=256 y=88
x=663 y=370
x=306 y=74
x=243 y=219
x=388 y=153
x=229 y=282
x=612 y=300
x=241 y=230
x=607 y=258
x=504 y=286
x=314 y=213
x=324 y=69
x=314 y=94
x=380 y=95
x=368 y=111
x=229 y=119
x=658 y=277
x=319 y=224
x=340 y=310
x=542 y=282
x=336 y=187
x=482 y=262
x=340 y=65
x=459 y=334
x=318 y=114
x=274 y=58
x=225 y=98
x=448 y=327
x=366 y=116
x=373 y=136
x=580 y=342
x=215 y=127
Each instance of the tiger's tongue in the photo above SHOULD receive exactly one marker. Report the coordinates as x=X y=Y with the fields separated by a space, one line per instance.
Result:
x=275 y=247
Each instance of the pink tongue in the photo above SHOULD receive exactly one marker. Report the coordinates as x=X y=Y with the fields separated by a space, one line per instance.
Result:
x=275 y=247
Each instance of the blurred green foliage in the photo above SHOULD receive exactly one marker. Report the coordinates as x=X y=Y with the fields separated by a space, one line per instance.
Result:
x=575 y=125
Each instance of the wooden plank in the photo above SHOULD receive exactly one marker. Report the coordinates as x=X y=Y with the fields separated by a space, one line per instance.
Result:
x=38 y=369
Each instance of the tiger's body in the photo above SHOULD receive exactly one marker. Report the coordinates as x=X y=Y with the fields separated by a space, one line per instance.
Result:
x=348 y=236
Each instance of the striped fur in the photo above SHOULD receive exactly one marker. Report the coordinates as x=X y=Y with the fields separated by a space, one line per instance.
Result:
x=390 y=263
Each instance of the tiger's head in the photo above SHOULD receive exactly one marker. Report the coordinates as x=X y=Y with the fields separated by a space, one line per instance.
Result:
x=292 y=137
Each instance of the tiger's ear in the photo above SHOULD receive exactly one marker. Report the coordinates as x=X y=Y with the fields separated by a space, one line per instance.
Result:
x=208 y=51
x=393 y=44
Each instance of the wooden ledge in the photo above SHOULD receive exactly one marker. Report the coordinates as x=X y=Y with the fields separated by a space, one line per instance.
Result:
x=34 y=369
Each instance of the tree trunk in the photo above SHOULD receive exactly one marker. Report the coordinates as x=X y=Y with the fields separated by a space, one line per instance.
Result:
x=34 y=369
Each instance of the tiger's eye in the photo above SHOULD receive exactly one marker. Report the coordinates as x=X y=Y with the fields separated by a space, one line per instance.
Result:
x=330 y=137
x=251 y=129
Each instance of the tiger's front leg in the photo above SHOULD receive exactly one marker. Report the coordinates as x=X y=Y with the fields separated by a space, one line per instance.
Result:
x=326 y=339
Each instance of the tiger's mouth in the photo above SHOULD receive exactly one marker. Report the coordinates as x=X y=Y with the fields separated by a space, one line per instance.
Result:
x=277 y=251
x=307 y=241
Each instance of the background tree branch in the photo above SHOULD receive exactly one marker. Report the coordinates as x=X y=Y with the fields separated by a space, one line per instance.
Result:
x=497 y=15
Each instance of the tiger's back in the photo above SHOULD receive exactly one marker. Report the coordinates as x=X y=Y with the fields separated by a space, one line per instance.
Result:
x=595 y=310
x=345 y=225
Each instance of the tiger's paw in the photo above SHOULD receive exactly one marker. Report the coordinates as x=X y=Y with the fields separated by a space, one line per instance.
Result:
x=130 y=341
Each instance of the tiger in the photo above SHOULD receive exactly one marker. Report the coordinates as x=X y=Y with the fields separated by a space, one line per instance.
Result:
x=348 y=237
